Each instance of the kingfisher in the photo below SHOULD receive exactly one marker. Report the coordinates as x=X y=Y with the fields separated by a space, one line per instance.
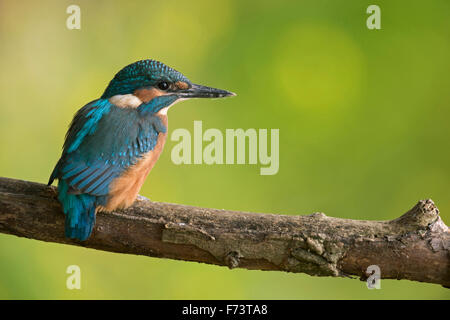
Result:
x=113 y=142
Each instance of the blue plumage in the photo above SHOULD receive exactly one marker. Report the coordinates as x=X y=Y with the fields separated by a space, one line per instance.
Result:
x=105 y=140
x=79 y=210
x=140 y=74
x=94 y=156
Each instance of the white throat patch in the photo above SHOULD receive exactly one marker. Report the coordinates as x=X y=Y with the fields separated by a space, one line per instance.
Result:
x=164 y=110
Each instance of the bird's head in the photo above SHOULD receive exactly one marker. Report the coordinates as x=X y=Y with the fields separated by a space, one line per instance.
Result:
x=155 y=84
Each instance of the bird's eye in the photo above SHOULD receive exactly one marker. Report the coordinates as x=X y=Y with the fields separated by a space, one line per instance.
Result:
x=163 y=85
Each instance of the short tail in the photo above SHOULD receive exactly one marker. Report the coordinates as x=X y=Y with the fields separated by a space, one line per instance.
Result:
x=79 y=210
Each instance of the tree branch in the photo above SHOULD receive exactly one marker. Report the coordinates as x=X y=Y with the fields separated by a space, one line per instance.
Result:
x=415 y=246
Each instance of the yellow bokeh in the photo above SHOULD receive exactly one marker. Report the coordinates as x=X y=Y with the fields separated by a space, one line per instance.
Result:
x=319 y=66
x=362 y=116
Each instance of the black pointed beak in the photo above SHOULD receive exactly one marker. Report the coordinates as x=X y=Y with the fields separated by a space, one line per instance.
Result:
x=199 y=91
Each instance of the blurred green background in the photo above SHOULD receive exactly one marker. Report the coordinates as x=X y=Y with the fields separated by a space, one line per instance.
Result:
x=363 y=118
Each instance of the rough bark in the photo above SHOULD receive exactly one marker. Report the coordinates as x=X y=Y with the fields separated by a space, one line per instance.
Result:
x=416 y=246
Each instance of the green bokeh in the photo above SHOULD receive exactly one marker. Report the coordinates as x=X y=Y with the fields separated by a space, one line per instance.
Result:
x=363 y=118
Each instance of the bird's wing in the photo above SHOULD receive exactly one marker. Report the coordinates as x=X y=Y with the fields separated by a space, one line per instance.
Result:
x=104 y=140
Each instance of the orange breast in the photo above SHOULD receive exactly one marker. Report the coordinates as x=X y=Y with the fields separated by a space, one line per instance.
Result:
x=124 y=189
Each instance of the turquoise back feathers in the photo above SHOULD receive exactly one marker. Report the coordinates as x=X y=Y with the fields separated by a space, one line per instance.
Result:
x=102 y=142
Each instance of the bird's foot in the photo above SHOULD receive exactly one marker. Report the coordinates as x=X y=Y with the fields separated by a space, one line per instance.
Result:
x=142 y=198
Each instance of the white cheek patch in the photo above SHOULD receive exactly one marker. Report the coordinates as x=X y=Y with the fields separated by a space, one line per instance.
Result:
x=126 y=101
